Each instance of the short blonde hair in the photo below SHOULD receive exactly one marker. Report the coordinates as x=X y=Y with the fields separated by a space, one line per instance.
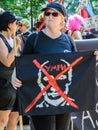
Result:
x=25 y=22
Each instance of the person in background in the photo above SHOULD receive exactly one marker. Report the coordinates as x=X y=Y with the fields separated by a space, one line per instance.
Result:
x=75 y=26
x=85 y=8
x=86 y=11
x=23 y=33
x=39 y=22
x=50 y=40
x=8 y=27
x=23 y=27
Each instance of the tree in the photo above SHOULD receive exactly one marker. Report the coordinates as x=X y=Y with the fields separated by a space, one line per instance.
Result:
x=23 y=7
x=95 y=6
x=31 y=8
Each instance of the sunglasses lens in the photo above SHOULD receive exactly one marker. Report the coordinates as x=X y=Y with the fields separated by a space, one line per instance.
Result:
x=55 y=14
x=47 y=13
x=20 y=25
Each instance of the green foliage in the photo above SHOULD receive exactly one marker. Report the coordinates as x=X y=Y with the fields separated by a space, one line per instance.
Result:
x=23 y=7
x=31 y=8
x=95 y=6
x=71 y=6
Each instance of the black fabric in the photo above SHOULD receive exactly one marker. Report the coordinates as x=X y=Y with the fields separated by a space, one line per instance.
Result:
x=41 y=122
x=7 y=92
x=77 y=80
x=68 y=38
x=23 y=38
x=57 y=7
x=47 y=45
x=6 y=18
x=71 y=42
x=62 y=121
x=43 y=43
x=6 y=72
x=7 y=97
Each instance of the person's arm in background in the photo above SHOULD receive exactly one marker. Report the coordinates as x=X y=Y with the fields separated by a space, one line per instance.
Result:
x=96 y=53
x=77 y=35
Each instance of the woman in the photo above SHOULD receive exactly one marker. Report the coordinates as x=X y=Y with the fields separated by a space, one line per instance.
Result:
x=75 y=26
x=49 y=40
x=8 y=26
x=23 y=27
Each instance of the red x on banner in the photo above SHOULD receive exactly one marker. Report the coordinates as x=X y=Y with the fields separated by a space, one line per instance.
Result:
x=53 y=83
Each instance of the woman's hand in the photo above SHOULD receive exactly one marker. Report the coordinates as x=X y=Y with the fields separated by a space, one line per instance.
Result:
x=15 y=82
x=18 y=42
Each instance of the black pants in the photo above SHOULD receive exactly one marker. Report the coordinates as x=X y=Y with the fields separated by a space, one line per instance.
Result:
x=58 y=122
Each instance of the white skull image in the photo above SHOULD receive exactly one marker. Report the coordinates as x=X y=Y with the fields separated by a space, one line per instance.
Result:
x=51 y=96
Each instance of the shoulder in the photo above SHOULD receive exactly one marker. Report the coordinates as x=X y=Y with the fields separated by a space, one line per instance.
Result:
x=69 y=38
x=2 y=40
x=76 y=34
x=3 y=47
x=71 y=42
x=33 y=35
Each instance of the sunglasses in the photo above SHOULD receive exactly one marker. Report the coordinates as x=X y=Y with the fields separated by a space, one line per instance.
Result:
x=54 y=14
x=20 y=25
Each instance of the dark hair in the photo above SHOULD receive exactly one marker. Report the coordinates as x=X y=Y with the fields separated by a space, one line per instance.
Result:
x=6 y=18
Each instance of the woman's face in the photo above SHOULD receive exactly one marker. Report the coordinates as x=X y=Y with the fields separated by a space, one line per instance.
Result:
x=22 y=27
x=53 y=19
x=13 y=27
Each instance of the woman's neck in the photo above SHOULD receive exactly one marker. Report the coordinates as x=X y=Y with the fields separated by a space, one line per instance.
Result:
x=6 y=34
x=52 y=33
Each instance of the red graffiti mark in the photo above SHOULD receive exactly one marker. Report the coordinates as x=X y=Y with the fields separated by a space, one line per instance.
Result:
x=49 y=1
x=52 y=82
x=40 y=27
x=60 y=1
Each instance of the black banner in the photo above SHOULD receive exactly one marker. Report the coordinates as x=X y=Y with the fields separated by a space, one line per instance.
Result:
x=86 y=120
x=56 y=83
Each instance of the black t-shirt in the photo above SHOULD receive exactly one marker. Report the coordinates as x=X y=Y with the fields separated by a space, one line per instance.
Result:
x=47 y=45
x=24 y=37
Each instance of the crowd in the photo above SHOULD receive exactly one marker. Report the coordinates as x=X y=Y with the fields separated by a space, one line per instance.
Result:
x=53 y=38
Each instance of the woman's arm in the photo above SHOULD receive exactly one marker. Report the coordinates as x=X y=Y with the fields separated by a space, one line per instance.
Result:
x=7 y=57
